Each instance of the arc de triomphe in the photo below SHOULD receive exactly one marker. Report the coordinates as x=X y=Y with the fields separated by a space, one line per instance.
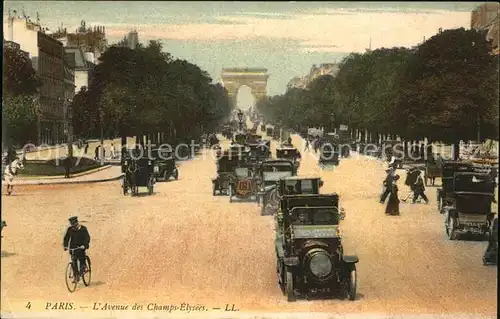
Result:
x=254 y=78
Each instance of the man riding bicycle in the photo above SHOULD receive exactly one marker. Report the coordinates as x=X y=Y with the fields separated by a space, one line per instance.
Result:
x=77 y=236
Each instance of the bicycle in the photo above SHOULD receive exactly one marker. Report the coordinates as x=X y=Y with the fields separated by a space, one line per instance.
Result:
x=70 y=283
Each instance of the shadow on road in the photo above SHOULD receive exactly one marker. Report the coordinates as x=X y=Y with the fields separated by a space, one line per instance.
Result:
x=7 y=254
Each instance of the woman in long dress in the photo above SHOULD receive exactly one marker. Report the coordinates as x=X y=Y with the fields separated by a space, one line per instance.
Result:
x=392 y=207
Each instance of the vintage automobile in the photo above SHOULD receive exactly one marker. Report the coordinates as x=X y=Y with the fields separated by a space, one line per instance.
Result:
x=165 y=164
x=270 y=172
x=269 y=131
x=309 y=252
x=289 y=152
x=465 y=200
x=225 y=172
x=329 y=154
x=240 y=138
x=243 y=183
x=139 y=173
x=259 y=151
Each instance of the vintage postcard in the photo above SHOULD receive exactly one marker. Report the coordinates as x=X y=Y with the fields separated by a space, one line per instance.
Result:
x=219 y=159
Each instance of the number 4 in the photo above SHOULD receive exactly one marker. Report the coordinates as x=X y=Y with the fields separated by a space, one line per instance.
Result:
x=28 y=305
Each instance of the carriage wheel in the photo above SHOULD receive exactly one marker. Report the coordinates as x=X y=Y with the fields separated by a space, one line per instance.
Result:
x=290 y=294
x=450 y=229
x=150 y=186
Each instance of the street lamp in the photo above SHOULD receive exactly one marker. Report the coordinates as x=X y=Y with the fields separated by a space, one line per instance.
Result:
x=240 y=118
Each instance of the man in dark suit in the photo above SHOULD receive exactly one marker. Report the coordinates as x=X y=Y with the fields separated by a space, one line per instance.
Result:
x=77 y=236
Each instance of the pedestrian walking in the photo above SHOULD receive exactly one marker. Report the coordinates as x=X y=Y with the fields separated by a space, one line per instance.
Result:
x=392 y=207
x=112 y=151
x=387 y=184
x=96 y=157
x=419 y=188
x=86 y=147
x=67 y=167
x=411 y=178
x=491 y=253
x=307 y=145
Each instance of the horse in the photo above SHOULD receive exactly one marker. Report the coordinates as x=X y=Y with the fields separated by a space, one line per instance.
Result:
x=11 y=170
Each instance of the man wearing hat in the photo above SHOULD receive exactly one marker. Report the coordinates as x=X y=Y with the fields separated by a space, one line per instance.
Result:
x=77 y=236
x=419 y=188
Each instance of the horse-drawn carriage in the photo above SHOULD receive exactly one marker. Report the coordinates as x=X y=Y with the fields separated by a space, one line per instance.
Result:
x=465 y=199
x=433 y=169
x=225 y=171
x=243 y=183
x=140 y=171
x=9 y=171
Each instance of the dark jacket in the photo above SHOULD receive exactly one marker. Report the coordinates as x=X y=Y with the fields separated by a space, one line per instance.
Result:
x=419 y=184
x=77 y=238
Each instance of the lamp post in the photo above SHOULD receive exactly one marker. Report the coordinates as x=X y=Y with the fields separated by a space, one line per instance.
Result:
x=240 y=118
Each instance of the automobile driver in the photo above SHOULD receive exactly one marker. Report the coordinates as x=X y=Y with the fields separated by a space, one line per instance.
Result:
x=77 y=236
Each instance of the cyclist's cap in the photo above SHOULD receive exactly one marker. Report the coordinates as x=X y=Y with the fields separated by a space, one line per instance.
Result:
x=73 y=220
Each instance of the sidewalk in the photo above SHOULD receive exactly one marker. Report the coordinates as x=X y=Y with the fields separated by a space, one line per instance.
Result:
x=108 y=173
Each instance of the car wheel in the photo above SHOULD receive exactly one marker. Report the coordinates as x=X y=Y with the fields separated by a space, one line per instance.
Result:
x=353 y=283
x=450 y=230
x=290 y=294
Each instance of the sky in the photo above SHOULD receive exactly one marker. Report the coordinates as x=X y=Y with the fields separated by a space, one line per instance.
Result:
x=287 y=38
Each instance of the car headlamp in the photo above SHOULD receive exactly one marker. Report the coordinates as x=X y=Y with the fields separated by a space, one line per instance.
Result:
x=320 y=264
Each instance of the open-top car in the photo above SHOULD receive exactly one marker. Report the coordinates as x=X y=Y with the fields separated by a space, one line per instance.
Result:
x=309 y=252
x=225 y=171
x=289 y=152
x=270 y=172
x=165 y=162
x=243 y=183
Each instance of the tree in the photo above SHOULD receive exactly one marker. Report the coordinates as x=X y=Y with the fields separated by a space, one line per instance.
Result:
x=19 y=77
x=451 y=88
x=20 y=113
x=20 y=107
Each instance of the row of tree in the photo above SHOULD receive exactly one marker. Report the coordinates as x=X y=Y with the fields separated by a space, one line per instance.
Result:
x=145 y=92
x=20 y=106
x=445 y=89
x=140 y=92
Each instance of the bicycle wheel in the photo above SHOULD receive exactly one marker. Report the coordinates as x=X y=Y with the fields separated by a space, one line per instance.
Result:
x=69 y=278
x=88 y=272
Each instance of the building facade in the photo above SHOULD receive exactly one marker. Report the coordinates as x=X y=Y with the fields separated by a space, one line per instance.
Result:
x=47 y=57
x=83 y=66
x=485 y=17
x=69 y=94
x=315 y=72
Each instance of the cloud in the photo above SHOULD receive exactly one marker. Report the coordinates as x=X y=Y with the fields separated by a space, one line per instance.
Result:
x=319 y=32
